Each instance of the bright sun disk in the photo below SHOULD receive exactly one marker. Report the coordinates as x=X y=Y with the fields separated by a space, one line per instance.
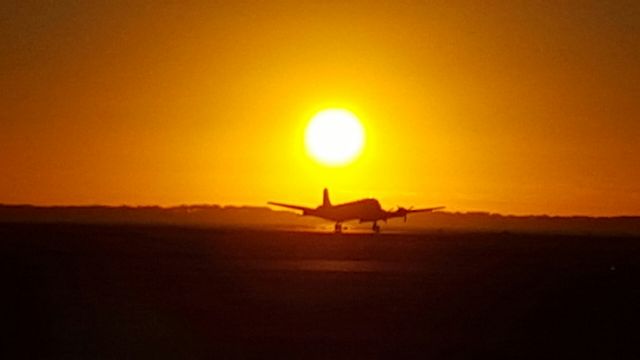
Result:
x=334 y=137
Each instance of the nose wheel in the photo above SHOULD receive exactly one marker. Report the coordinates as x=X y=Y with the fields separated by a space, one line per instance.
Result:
x=338 y=228
x=375 y=228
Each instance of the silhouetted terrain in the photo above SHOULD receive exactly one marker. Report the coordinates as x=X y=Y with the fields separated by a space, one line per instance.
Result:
x=230 y=216
x=205 y=215
x=134 y=291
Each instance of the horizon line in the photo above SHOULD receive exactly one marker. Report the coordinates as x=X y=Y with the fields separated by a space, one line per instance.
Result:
x=266 y=206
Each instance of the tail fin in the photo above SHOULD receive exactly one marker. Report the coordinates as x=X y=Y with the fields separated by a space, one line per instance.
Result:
x=325 y=198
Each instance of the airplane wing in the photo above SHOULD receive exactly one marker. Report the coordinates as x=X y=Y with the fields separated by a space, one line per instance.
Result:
x=295 y=207
x=402 y=212
x=410 y=211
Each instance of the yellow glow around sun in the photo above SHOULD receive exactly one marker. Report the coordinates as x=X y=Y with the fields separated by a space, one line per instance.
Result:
x=334 y=137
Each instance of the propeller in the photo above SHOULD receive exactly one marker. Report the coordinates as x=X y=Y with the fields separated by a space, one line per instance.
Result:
x=404 y=211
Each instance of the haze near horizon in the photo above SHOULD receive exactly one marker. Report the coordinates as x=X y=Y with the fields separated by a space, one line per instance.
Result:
x=511 y=107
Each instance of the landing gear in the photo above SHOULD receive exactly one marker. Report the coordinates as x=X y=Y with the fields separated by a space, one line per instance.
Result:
x=338 y=228
x=375 y=227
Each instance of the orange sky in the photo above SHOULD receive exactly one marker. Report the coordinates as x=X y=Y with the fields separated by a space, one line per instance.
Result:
x=512 y=107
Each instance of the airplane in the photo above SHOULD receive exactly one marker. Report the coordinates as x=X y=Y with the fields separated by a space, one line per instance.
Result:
x=365 y=210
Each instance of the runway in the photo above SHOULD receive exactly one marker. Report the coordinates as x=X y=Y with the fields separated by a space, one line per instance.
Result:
x=83 y=291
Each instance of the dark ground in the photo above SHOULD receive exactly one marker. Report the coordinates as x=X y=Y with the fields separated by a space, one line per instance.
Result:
x=81 y=291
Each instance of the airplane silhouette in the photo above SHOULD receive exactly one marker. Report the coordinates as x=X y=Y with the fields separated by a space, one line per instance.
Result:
x=365 y=210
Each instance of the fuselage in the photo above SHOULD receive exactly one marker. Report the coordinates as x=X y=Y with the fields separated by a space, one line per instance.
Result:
x=363 y=210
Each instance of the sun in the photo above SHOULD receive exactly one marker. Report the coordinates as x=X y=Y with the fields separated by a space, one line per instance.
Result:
x=334 y=137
